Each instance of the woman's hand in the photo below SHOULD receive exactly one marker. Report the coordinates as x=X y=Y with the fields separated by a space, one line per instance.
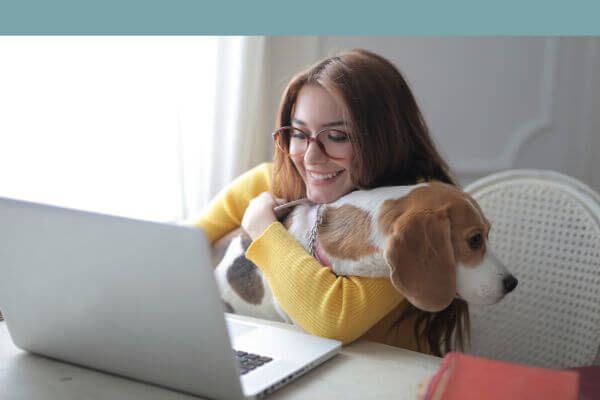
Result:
x=259 y=215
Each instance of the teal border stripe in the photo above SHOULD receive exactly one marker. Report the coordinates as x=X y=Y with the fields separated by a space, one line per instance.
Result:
x=300 y=17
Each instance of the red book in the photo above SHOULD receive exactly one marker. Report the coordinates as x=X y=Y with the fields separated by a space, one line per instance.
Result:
x=589 y=382
x=465 y=377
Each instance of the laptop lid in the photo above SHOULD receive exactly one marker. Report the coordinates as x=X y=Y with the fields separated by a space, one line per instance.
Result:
x=161 y=321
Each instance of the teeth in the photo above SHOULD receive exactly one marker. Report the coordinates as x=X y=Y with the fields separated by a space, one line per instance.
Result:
x=324 y=176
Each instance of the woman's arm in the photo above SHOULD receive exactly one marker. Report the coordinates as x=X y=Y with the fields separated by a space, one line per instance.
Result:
x=343 y=308
x=226 y=210
x=322 y=303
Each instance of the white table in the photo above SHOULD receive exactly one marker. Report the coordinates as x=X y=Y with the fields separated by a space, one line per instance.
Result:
x=363 y=370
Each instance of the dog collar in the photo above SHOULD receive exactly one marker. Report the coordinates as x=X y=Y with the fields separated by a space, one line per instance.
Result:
x=315 y=216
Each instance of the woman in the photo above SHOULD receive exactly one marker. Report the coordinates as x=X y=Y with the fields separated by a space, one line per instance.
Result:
x=348 y=122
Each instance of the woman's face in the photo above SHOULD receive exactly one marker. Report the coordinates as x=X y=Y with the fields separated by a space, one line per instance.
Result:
x=326 y=179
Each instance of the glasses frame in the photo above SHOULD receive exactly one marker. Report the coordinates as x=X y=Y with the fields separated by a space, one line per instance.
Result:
x=309 y=138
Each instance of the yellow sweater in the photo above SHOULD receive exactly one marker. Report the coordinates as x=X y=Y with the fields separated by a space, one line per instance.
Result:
x=339 y=307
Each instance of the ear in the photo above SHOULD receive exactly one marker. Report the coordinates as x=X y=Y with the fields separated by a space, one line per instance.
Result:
x=420 y=255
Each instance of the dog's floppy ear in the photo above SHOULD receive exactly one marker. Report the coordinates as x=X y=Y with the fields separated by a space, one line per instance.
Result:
x=420 y=255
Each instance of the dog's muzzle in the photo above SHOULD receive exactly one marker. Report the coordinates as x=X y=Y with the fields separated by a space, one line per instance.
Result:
x=509 y=283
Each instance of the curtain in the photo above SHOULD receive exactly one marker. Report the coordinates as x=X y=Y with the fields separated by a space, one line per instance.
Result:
x=238 y=137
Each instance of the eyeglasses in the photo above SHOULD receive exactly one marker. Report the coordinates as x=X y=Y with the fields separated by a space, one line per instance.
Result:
x=334 y=143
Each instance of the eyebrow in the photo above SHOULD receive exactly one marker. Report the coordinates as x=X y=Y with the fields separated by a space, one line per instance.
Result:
x=327 y=125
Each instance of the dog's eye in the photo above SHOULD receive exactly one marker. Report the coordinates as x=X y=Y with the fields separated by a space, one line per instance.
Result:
x=476 y=241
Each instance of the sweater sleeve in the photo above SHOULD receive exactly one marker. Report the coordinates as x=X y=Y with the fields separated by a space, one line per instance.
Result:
x=322 y=303
x=226 y=210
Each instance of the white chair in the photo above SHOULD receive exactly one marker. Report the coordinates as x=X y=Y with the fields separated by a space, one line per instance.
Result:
x=546 y=229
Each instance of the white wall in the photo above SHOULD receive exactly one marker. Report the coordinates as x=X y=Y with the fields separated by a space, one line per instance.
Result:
x=594 y=152
x=492 y=103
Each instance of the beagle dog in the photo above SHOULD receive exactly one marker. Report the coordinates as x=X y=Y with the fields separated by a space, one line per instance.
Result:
x=429 y=239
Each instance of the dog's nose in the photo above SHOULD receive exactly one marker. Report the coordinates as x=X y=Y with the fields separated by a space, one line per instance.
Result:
x=509 y=283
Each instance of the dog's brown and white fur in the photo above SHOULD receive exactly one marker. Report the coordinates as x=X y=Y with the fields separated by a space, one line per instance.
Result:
x=430 y=239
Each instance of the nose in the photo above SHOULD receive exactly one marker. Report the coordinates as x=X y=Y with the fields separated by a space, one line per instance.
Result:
x=509 y=283
x=314 y=153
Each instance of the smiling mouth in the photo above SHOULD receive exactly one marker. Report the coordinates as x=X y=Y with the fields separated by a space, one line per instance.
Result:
x=323 y=177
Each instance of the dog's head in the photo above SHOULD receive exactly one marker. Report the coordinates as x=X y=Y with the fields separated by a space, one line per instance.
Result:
x=437 y=249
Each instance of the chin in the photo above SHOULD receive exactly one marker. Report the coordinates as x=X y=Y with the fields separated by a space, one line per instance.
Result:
x=318 y=198
x=322 y=198
x=321 y=194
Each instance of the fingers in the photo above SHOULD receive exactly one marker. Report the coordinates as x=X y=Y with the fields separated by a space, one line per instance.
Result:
x=422 y=388
x=259 y=215
x=283 y=209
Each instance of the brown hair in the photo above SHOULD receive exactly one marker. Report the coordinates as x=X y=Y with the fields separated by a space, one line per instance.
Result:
x=392 y=146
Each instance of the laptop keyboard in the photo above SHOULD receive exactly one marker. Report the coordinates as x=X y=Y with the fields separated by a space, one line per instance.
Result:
x=250 y=361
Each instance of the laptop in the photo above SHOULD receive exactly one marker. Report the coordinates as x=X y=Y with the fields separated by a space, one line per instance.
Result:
x=137 y=299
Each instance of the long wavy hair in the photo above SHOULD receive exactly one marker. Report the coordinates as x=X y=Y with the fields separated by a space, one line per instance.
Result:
x=392 y=146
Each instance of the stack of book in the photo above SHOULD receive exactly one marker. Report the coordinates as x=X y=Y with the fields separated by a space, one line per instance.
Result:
x=465 y=377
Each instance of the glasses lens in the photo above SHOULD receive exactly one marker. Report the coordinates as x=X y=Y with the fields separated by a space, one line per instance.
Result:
x=291 y=140
x=336 y=143
x=298 y=141
x=281 y=137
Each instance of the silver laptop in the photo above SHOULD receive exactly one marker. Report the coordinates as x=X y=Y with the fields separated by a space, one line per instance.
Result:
x=137 y=299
